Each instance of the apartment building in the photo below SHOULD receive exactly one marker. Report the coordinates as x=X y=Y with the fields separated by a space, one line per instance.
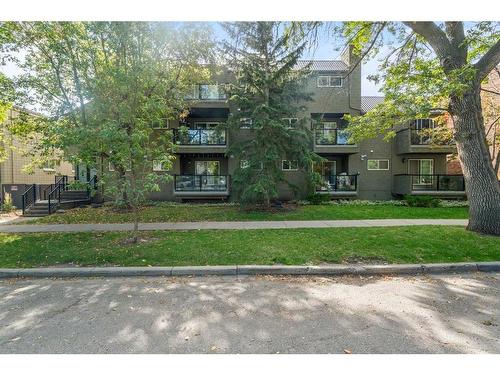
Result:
x=411 y=163
x=13 y=178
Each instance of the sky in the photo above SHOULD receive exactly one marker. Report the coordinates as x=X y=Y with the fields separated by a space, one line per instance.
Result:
x=325 y=50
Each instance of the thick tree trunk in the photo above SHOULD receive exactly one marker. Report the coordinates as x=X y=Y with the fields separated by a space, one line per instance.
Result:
x=481 y=181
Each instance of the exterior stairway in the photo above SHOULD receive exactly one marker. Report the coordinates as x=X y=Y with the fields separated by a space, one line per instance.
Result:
x=58 y=196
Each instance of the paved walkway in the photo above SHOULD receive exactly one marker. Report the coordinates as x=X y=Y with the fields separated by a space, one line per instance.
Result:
x=426 y=314
x=35 y=228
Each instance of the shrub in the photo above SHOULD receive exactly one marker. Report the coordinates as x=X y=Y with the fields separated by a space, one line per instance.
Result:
x=7 y=205
x=317 y=198
x=421 y=201
x=454 y=203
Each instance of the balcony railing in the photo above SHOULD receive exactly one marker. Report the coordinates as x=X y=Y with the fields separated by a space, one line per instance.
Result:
x=203 y=137
x=430 y=137
x=436 y=182
x=326 y=137
x=201 y=183
x=339 y=183
x=207 y=92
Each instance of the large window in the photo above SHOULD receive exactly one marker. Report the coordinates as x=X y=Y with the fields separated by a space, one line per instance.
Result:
x=289 y=165
x=210 y=167
x=329 y=81
x=378 y=164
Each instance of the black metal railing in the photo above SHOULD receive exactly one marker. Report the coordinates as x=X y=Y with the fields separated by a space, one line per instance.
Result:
x=207 y=92
x=211 y=137
x=91 y=185
x=331 y=137
x=339 y=183
x=201 y=183
x=54 y=195
x=436 y=182
x=29 y=197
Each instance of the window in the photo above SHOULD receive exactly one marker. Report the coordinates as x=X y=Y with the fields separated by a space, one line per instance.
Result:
x=210 y=168
x=111 y=167
x=329 y=81
x=159 y=166
x=378 y=164
x=192 y=92
x=161 y=124
x=289 y=165
x=246 y=122
x=49 y=166
x=245 y=164
x=290 y=122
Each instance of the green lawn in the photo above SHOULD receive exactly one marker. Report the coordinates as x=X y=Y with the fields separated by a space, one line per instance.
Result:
x=193 y=212
x=229 y=247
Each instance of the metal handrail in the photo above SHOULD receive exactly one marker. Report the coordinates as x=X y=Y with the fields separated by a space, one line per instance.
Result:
x=346 y=182
x=195 y=137
x=29 y=198
x=197 y=182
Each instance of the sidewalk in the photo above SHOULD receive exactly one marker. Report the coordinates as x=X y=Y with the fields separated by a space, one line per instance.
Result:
x=35 y=228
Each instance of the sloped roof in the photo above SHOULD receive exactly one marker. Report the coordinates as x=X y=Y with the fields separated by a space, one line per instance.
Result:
x=370 y=102
x=323 y=65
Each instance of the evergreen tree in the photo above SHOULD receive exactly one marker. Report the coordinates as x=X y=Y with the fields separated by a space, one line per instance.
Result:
x=268 y=92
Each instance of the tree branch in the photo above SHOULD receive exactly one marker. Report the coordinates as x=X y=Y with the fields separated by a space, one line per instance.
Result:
x=490 y=91
x=358 y=61
x=488 y=62
x=434 y=35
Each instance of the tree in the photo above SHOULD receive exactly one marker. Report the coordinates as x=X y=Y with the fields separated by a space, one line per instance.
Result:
x=266 y=96
x=105 y=86
x=437 y=66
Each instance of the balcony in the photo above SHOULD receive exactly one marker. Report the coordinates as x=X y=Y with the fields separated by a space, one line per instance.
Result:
x=339 y=185
x=200 y=140
x=424 y=140
x=443 y=185
x=201 y=185
x=207 y=94
x=333 y=140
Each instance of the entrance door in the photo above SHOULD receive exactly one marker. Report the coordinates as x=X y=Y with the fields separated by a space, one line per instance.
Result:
x=328 y=171
x=424 y=171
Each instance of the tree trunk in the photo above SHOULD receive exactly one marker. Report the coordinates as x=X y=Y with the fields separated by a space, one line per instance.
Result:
x=481 y=181
x=135 y=233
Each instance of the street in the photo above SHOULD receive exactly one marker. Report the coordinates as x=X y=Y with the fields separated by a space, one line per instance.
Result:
x=439 y=314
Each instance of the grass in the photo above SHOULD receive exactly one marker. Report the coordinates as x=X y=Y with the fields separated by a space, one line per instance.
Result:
x=192 y=212
x=228 y=247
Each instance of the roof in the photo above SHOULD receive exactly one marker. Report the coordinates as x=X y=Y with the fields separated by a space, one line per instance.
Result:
x=323 y=65
x=370 y=102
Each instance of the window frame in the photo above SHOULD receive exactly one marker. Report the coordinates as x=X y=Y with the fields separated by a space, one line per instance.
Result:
x=378 y=165
x=330 y=77
x=155 y=164
x=289 y=120
x=167 y=126
x=290 y=165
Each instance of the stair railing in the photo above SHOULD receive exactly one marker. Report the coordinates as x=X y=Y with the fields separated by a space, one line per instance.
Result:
x=54 y=197
x=29 y=198
x=91 y=185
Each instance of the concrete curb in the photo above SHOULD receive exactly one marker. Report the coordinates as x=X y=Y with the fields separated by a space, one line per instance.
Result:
x=330 y=270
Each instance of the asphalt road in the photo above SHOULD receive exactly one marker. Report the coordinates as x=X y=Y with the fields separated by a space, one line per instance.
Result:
x=439 y=314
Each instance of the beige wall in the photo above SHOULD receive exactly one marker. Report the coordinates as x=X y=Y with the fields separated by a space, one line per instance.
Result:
x=11 y=169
